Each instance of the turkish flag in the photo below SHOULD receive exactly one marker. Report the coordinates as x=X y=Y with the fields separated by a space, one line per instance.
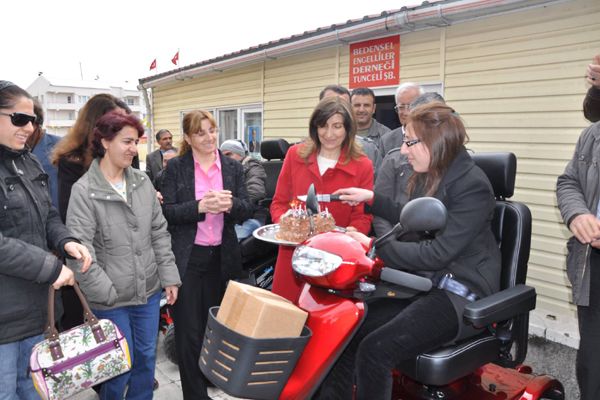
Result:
x=175 y=58
x=153 y=65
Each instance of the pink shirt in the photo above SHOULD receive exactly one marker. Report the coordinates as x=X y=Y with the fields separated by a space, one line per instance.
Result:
x=210 y=231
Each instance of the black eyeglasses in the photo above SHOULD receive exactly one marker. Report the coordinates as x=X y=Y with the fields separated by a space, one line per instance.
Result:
x=20 y=119
x=412 y=142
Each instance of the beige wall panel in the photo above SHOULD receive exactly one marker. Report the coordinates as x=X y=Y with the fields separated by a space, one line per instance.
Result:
x=532 y=136
x=544 y=213
x=541 y=273
x=531 y=196
x=292 y=86
x=523 y=150
x=555 y=230
x=420 y=73
x=554 y=292
x=506 y=45
x=572 y=86
x=550 y=260
x=540 y=182
x=517 y=104
x=421 y=40
x=529 y=22
x=548 y=73
x=299 y=93
x=556 y=118
x=555 y=308
x=517 y=60
x=551 y=245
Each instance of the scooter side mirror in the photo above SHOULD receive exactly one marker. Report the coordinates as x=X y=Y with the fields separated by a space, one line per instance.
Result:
x=425 y=214
x=312 y=203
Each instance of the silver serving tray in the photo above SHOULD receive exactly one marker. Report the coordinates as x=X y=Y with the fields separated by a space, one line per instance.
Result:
x=267 y=233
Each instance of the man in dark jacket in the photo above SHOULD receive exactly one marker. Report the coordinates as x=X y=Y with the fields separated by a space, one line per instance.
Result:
x=256 y=180
x=578 y=201
x=154 y=160
x=406 y=93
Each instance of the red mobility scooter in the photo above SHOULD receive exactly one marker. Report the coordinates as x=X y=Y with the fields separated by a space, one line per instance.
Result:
x=341 y=276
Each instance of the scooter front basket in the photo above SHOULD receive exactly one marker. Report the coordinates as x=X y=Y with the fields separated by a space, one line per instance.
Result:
x=247 y=367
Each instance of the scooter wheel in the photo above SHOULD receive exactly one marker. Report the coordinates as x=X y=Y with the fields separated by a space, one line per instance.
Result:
x=169 y=344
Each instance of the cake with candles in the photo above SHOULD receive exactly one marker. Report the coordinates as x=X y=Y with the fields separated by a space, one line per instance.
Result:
x=294 y=225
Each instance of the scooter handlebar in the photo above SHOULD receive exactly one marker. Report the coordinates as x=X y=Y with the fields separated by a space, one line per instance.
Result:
x=405 y=279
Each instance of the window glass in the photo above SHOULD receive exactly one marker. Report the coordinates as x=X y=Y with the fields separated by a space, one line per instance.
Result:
x=228 y=125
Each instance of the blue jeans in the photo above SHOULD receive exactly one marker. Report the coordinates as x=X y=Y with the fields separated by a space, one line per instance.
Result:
x=139 y=324
x=15 y=382
x=246 y=228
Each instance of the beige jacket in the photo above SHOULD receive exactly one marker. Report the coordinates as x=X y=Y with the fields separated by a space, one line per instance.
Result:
x=128 y=241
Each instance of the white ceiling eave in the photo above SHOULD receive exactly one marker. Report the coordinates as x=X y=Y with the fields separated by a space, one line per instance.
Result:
x=421 y=18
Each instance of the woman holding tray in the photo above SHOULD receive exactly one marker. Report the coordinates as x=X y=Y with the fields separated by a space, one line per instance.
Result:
x=330 y=159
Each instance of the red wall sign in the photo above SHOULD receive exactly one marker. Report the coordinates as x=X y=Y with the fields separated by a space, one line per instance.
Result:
x=375 y=62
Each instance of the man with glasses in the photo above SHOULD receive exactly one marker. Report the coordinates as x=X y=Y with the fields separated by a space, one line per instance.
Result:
x=363 y=105
x=405 y=94
x=154 y=160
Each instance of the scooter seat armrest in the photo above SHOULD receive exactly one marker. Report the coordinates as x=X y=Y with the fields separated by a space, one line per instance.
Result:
x=405 y=279
x=500 y=306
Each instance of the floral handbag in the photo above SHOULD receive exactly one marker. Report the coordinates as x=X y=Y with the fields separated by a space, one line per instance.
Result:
x=67 y=363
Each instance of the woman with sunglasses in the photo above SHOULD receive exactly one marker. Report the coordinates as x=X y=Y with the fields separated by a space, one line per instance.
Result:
x=204 y=197
x=398 y=330
x=29 y=228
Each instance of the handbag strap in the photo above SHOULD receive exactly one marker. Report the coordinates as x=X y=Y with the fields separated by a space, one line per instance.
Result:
x=89 y=318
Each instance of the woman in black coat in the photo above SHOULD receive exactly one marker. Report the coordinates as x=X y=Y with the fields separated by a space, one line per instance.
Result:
x=204 y=197
x=29 y=229
x=395 y=331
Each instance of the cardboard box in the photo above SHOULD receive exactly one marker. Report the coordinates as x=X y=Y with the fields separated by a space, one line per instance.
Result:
x=258 y=313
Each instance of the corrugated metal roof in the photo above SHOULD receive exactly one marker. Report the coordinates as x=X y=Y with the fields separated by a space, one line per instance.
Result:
x=298 y=37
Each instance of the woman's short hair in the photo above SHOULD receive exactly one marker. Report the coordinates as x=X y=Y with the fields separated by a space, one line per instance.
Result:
x=192 y=121
x=327 y=108
x=442 y=131
x=109 y=125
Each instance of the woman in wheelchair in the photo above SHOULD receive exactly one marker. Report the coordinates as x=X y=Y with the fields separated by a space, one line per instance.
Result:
x=462 y=260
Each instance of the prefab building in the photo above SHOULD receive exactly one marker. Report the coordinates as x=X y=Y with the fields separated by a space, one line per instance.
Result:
x=513 y=69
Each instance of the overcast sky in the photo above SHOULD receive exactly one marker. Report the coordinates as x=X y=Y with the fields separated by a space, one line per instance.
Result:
x=117 y=40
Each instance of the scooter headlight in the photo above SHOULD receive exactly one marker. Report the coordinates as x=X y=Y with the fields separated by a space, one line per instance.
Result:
x=309 y=261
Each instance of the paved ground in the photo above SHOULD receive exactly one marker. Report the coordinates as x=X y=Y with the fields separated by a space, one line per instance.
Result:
x=543 y=356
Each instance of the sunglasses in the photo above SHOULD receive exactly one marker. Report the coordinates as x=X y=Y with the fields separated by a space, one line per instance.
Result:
x=20 y=119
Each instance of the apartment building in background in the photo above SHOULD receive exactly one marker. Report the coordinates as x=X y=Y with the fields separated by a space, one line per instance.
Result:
x=62 y=99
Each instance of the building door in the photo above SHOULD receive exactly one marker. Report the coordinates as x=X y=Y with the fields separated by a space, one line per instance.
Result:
x=385 y=113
